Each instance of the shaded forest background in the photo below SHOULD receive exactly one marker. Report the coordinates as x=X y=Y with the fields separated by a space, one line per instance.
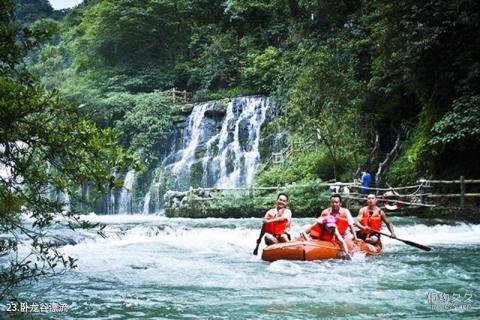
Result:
x=406 y=72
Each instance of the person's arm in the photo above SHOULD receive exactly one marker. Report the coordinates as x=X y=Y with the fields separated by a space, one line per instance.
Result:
x=354 y=233
x=309 y=228
x=266 y=219
x=319 y=221
x=284 y=217
x=388 y=224
x=278 y=219
x=359 y=218
x=340 y=239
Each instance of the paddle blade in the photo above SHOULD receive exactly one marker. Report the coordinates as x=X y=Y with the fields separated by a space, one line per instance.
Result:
x=416 y=245
x=262 y=232
x=410 y=243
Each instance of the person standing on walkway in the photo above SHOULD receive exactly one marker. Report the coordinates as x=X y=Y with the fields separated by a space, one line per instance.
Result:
x=366 y=178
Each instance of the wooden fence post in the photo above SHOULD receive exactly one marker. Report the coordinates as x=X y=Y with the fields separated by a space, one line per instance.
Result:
x=462 y=192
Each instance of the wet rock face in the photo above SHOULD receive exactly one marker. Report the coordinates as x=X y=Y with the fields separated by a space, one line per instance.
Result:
x=210 y=128
x=179 y=120
x=238 y=106
x=217 y=110
x=244 y=134
x=186 y=109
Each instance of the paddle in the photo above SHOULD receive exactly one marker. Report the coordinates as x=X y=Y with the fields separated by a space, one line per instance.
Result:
x=410 y=243
x=262 y=232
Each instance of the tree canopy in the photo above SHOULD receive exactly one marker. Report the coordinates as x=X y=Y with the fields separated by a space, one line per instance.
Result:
x=46 y=150
x=397 y=66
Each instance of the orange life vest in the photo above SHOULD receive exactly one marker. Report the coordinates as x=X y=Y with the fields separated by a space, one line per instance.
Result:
x=373 y=221
x=276 y=228
x=341 y=219
x=320 y=233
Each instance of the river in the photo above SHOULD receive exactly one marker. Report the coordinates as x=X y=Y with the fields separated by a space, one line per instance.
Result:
x=152 y=267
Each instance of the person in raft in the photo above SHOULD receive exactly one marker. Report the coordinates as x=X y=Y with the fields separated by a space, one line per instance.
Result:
x=277 y=221
x=370 y=219
x=325 y=228
x=342 y=216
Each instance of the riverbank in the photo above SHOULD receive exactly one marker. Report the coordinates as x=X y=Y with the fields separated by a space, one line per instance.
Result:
x=304 y=203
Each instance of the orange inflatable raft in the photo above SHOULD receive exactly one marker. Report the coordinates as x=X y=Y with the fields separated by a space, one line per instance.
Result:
x=316 y=250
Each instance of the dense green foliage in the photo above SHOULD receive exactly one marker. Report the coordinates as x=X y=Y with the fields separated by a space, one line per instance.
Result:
x=29 y=11
x=46 y=150
x=351 y=69
x=431 y=51
x=145 y=119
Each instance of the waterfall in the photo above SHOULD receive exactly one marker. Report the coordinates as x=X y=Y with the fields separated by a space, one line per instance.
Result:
x=191 y=137
x=125 y=202
x=220 y=145
x=66 y=201
x=279 y=142
x=146 y=203
x=111 y=203
x=238 y=158
x=158 y=196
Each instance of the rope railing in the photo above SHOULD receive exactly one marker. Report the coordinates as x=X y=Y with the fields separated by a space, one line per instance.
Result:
x=178 y=96
x=416 y=198
x=415 y=204
x=452 y=181
x=326 y=184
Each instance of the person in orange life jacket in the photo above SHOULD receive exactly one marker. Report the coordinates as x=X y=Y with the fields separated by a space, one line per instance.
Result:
x=343 y=217
x=370 y=219
x=325 y=228
x=277 y=221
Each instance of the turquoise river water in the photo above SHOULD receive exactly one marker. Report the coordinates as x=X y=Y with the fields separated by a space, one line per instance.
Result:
x=152 y=267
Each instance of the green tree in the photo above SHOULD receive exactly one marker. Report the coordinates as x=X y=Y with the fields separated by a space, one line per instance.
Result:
x=460 y=125
x=45 y=147
x=428 y=51
x=147 y=125
x=262 y=70
x=129 y=44
x=29 y=11
x=325 y=101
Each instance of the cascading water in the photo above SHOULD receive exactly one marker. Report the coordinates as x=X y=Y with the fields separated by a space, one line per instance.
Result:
x=246 y=117
x=222 y=156
x=66 y=201
x=146 y=203
x=191 y=137
x=111 y=201
x=125 y=202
